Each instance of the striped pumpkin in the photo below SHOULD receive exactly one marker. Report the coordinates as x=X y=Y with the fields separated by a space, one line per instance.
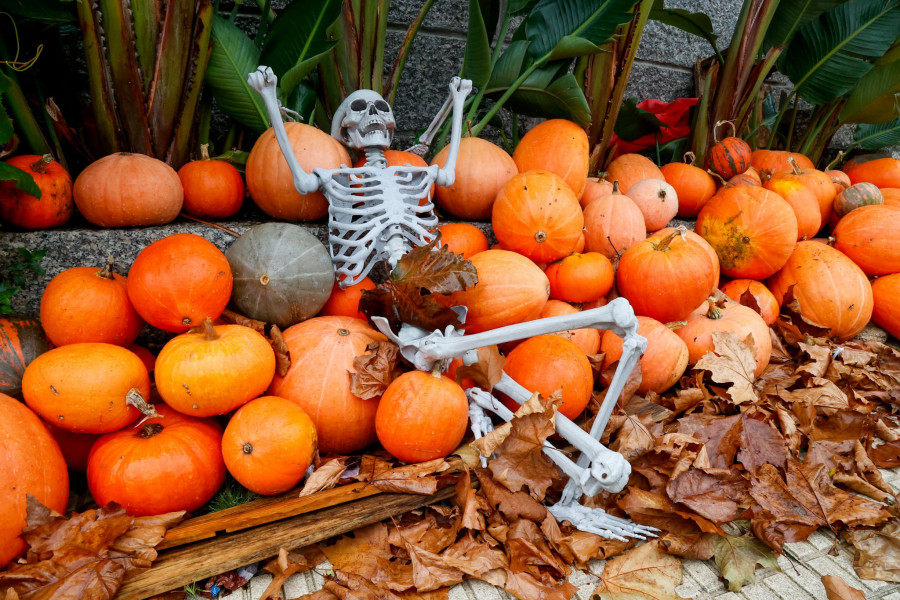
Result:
x=730 y=157
x=860 y=194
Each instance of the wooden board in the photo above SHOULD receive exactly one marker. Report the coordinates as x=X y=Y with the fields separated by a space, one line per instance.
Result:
x=178 y=567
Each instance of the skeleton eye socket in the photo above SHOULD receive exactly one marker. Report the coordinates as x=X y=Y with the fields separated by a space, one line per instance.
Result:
x=382 y=106
x=358 y=105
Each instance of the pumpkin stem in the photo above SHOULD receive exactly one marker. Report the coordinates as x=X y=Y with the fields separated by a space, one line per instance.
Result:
x=601 y=175
x=663 y=245
x=106 y=272
x=210 y=330
x=689 y=158
x=135 y=398
x=247 y=448
x=616 y=187
x=437 y=369
x=725 y=183
x=714 y=312
x=795 y=166
x=540 y=237
x=837 y=159
x=716 y=129
x=151 y=429
x=204 y=151
x=40 y=166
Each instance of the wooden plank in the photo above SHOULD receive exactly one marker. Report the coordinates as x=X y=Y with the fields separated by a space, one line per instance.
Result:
x=259 y=512
x=180 y=566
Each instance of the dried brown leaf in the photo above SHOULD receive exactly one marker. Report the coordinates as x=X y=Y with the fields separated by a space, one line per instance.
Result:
x=489 y=443
x=528 y=550
x=633 y=438
x=877 y=552
x=487 y=371
x=229 y=316
x=646 y=572
x=430 y=571
x=475 y=558
x=761 y=444
x=732 y=362
x=838 y=589
x=720 y=495
x=525 y=586
x=698 y=546
x=374 y=370
x=512 y=505
x=350 y=586
x=289 y=563
x=722 y=436
x=737 y=558
x=472 y=505
x=282 y=353
x=325 y=477
x=437 y=270
x=423 y=478
x=657 y=511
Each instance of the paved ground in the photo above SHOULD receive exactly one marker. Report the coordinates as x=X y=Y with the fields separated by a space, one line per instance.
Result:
x=802 y=567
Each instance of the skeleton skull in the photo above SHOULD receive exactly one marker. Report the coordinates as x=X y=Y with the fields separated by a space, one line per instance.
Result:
x=364 y=119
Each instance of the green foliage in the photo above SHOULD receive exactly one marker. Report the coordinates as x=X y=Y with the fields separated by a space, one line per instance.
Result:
x=634 y=122
x=16 y=274
x=874 y=137
x=230 y=494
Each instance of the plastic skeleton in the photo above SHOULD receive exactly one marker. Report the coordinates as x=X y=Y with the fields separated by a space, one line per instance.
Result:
x=373 y=210
x=374 y=214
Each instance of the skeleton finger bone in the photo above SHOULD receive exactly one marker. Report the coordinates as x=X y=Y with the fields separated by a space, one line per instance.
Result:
x=600 y=522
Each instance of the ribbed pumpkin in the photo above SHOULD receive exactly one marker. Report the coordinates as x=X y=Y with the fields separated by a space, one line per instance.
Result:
x=769 y=162
x=580 y=277
x=127 y=190
x=537 y=215
x=170 y=462
x=612 y=224
x=693 y=185
x=213 y=189
x=803 y=203
x=21 y=341
x=595 y=187
x=752 y=230
x=886 y=312
x=694 y=237
x=345 y=302
x=628 y=169
x=177 y=282
x=587 y=339
x=883 y=172
x=712 y=316
x=322 y=351
x=30 y=463
x=510 y=289
x=482 y=169
x=870 y=236
x=657 y=200
x=891 y=196
x=663 y=362
x=750 y=178
x=52 y=209
x=270 y=182
x=815 y=181
x=666 y=276
x=547 y=363
x=87 y=304
x=282 y=274
x=729 y=157
x=269 y=444
x=860 y=194
x=463 y=238
x=215 y=370
x=83 y=387
x=767 y=303
x=558 y=146
x=829 y=288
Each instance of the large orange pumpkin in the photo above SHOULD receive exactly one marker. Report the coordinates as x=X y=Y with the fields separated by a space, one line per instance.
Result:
x=768 y=305
x=666 y=276
x=829 y=288
x=270 y=182
x=870 y=236
x=21 y=341
x=177 y=282
x=588 y=339
x=694 y=237
x=891 y=196
x=693 y=185
x=510 y=289
x=537 y=215
x=752 y=230
x=463 y=238
x=769 y=162
x=170 y=462
x=817 y=182
x=402 y=158
x=663 y=362
x=30 y=463
x=214 y=371
x=612 y=224
x=322 y=350
x=86 y=304
x=581 y=277
x=83 y=387
x=558 y=146
x=628 y=169
x=883 y=172
x=482 y=169
x=127 y=190
x=803 y=203
x=55 y=205
x=886 y=312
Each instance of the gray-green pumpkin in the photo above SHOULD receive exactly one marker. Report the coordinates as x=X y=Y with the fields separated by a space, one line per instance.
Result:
x=282 y=274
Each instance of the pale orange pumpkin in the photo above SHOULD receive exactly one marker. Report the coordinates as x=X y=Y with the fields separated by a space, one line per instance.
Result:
x=482 y=169
x=662 y=364
x=558 y=146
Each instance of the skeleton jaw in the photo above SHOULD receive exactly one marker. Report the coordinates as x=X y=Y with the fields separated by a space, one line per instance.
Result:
x=371 y=135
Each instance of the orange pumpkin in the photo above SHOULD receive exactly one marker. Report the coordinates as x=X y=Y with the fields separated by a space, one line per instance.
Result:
x=213 y=189
x=214 y=371
x=870 y=236
x=612 y=224
x=482 y=169
x=693 y=186
x=30 y=463
x=171 y=462
x=666 y=276
x=84 y=387
x=177 y=282
x=422 y=416
x=52 y=209
x=729 y=157
x=628 y=169
x=558 y=146
x=750 y=178
x=657 y=200
x=768 y=305
x=463 y=238
x=817 y=182
x=580 y=277
x=886 y=312
x=839 y=179
x=855 y=196
x=662 y=364
x=322 y=350
x=269 y=444
x=345 y=302
x=587 y=339
x=86 y=304
x=510 y=289
x=883 y=172
x=401 y=158
x=829 y=288
x=595 y=188
x=769 y=162
x=270 y=182
x=75 y=447
x=694 y=237
x=891 y=196
x=752 y=230
x=537 y=215
x=803 y=203
x=21 y=341
x=127 y=190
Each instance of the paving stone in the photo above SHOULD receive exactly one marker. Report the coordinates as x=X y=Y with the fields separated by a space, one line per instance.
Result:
x=822 y=539
x=585 y=582
x=802 y=550
x=892 y=596
x=302 y=583
x=258 y=585
x=475 y=589
x=786 y=589
x=706 y=574
x=828 y=565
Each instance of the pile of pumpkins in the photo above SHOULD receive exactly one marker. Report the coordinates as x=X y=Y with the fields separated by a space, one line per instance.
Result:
x=565 y=242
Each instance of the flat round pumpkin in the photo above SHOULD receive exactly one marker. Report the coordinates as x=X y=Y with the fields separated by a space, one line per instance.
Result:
x=886 y=313
x=870 y=236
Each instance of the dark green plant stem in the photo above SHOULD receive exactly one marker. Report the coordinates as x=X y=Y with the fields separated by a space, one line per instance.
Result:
x=266 y=7
x=204 y=121
x=380 y=38
x=263 y=24
x=231 y=138
x=367 y=49
x=781 y=112
x=26 y=124
x=393 y=82
x=793 y=123
x=515 y=131
x=51 y=131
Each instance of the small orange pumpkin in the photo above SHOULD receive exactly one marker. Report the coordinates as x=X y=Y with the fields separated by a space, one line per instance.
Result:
x=612 y=224
x=662 y=364
x=345 y=302
x=580 y=277
x=587 y=339
x=482 y=169
x=730 y=156
x=628 y=169
x=558 y=146
x=52 y=209
x=883 y=172
x=463 y=238
x=803 y=203
x=769 y=162
x=657 y=200
x=693 y=186
x=213 y=189
x=594 y=188
x=768 y=305
x=870 y=236
x=817 y=182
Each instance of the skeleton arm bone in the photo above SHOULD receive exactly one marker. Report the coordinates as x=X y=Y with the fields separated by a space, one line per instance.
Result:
x=459 y=89
x=264 y=81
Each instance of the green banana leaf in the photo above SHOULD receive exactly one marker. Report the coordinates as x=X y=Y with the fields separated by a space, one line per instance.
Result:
x=874 y=137
x=633 y=122
x=518 y=8
x=48 y=11
x=568 y=28
x=876 y=98
x=695 y=23
x=790 y=16
x=298 y=40
x=6 y=125
x=477 y=59
x=22 y=180
x=233 y=58
x=830 y=54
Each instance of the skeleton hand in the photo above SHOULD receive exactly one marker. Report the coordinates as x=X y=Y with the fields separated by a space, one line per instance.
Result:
x=263 y=80
x=460 y=88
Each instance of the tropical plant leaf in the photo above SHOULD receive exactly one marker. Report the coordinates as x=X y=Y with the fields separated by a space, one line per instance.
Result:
x=568 y=28
x=791 y=15
x=874 y=137
x=298 y=40
x=48 y=11
x=518 y=8
x=146 y=16
x=233 y=58
x=695 y=23
x=477 y=59
x=876 y=98
x=6 y=125
x=830 y=54
x=633 y=122
x=22 y=180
